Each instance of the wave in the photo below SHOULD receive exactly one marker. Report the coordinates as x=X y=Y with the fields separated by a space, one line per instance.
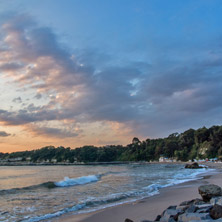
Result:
x=77 y=181
x=66 y=182
x=188 y=175
x=51 y=184
x=81 y=180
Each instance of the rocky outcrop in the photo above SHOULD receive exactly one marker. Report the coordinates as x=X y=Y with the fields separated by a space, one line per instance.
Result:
x=193 y=166
x=195 y=210
x=209 y=191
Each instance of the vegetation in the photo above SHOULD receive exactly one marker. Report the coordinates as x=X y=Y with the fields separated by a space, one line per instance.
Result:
x=191 y=144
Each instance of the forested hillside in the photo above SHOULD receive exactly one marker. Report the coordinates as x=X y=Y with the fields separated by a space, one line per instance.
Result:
x=191 y=144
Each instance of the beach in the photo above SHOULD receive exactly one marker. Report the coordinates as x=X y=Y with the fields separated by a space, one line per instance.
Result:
x=149 y=208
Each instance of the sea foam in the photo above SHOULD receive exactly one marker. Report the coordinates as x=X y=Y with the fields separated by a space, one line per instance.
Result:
x=77 y=181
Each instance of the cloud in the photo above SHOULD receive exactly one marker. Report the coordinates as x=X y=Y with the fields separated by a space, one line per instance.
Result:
x=53 y=132
x=4 y=134
x=29 y=115
x=17 y=100
x=52 y=69
x=10 y=66
x=38 y=96
x=150 y=97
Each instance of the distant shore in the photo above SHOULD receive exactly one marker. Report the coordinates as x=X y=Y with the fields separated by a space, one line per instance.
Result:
x=210 y=164
x=58 y=164
x=80 y=163
x=149 y=208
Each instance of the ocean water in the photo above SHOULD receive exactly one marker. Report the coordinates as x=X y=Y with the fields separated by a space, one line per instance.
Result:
x=35 y=193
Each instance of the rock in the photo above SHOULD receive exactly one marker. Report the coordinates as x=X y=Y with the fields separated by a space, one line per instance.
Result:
x=171 y=220
x=183 y=208
x=163 y=219
x=193 y=166
x=193 y=216
x=158 y=218
x=205 y=208
x=185 y=203
x=194 y=201
x=198 y=202
x=168 y=213
x=216 y=200
x=128 y=220
x=209 y=191
x=172 y=207
x=216 y=211
x=191 y=209
x=171 y=213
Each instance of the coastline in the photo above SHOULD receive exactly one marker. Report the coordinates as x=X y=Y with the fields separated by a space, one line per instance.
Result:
x=149 y=207
x=83 y=164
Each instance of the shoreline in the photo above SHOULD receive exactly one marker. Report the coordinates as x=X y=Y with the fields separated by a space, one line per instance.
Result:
x=211 y=164
x=148 y=208
x=83 y=164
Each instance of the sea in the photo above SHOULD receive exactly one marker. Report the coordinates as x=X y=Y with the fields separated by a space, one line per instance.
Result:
x=36 y=193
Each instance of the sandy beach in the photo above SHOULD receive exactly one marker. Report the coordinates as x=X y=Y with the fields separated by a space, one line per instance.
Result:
x=149 y=208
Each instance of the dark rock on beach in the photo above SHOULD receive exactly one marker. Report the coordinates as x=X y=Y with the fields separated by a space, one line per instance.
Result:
x=209 y=191
x=216 y=211
x=195 y=210
x=193 y=166
x=128 y=220
x=158 y=218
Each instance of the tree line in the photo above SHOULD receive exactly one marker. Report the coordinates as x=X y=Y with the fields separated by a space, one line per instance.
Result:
x=189 y=145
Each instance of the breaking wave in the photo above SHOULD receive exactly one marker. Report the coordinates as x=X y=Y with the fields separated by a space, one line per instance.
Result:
x=51 y=184
x=77 y=181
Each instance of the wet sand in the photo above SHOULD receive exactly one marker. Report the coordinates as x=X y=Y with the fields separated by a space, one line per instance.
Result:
x=149 y=208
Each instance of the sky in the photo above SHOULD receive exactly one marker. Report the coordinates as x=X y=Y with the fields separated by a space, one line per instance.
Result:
x=83 y=72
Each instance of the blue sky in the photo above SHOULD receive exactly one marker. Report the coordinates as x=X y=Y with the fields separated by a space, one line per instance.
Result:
x=100 y=72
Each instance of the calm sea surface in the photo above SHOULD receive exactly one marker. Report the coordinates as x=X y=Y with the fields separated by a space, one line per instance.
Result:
x=34 y=193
